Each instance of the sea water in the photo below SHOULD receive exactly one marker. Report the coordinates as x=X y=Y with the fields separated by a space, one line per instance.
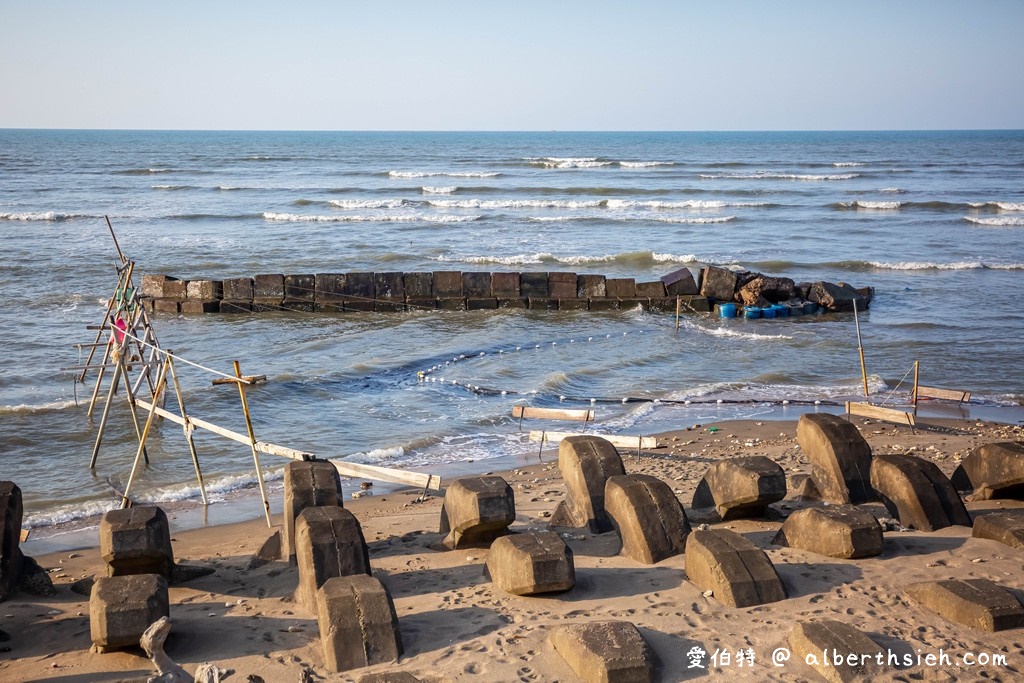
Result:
x=934 y=221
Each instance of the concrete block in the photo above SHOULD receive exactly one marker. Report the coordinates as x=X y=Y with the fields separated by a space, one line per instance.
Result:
x=476 y=510
x=360 y=286
x=505 y=285
x=632 y=303
x=573 y=304
x=481 y=304
x=389 y=306
x=512 y=303
x=605 y=652
x=121 y=608
x=994 y=470
x=651 y=290
x=542 y=303
x=837 y=651
x=585 y=463
x=307 y=483
x=153 y=285
x=175 y=289
x=267 y=305
x=419 y=286
x=11 y=514
x=389 y=285
x=197 y=307
x=300 y=287
x=977 y=603
x=591 y=286
x=419 y=304
x=268 y=286
x=620 y=287
x=917 y=492
x=531 y=563
x=476 y=285
x=238 y=289
x=451 y=303
x=719 y=284
x=647 y=516
x=328 y=542
x=358 y=305
x=448 y=284
x=358 y=623
x=205 y=289
x=842 y=531
x=296 y=305
x=170 y=306
x=562 y=285
x=330 y=287
x=136 y=540
x=1005 y=526
x=604 y=304
x=840 y=457
x=533 y=284
x=736 y=571
x=697 y=304
x=680 y=282
x=741 y=487
x=666 y=305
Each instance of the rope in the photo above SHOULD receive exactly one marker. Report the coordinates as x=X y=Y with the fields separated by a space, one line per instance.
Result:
x=886 y=399
x=168 y=354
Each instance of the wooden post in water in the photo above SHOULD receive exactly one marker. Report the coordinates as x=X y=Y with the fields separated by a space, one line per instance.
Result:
x=679 y=306
x=917 y=374
x=188 y=429
x=860 y=349
x=252 y=440
x=125 y=501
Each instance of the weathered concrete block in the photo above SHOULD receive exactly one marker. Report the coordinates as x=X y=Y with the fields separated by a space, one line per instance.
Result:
x=993 y=470
x=647 y=516
x=651 y=290
x=166 y=306
x=480 y=304
x=389 y=305
x=268 y=286
x=153 y=285
x=360 y=286
x=605 y=652
x=419 y=286
x=1005 y=526
x=11 y=514
x=505 y=285
x=590 y=286
x=389 y=285
x=838 y=297
x=585 y=463
x=573 y=304
x=300 y=287
x=736 y=571
x=680 y=282
x=417 y=304
x=358 y=623
x=358 y=305
x=562 y=285
x=741 y=487
x=476 y=285
x=307 y=483
x=330 y=287
x=476 y=510
x=121 y=608
x=448 y=284
x=620 y=287
x=719 y=284
x=175 y=289
x=837 y=651
x=136 y=540
x=977 y=603
x=697 y=304
x=328 y=542
x=531 y=563
x=533 y=285
x=205 y=289
x=451 y=304
x=842 y=531
x=634 y=302
x=196 y=307
x=665 y=305
x=542 y=303
x=840 y=457
x=238 y=289
x=604 y=304
x=917 y=492
x=511 y=303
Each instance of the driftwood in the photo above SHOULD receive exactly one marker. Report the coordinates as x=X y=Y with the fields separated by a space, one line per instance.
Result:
x=152 y=643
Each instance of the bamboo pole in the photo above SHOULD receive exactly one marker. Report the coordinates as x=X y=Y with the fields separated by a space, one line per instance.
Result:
x=917 y=374
x=125 y=502
x=188 y=431
x=679 y=307
x=104 y=414
x=252 y=440
x=860 y=349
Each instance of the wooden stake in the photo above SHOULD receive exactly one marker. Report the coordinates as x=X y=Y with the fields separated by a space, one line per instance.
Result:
x=252 y=442
x=679 y=307
x=860 y=349
x=125 y=502
x=188 y=431
x=917 y=374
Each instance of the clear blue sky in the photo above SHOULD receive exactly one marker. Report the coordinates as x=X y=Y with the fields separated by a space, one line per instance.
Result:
x=516 y=65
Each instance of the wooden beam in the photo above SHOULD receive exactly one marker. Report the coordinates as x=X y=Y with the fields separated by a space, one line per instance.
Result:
x=617 y=440
x=249 y=379
x=418 y=479
x=880 y=413
x=947 y=394
x=552 y=413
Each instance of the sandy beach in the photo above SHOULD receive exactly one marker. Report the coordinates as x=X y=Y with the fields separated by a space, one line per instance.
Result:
x=457 y=626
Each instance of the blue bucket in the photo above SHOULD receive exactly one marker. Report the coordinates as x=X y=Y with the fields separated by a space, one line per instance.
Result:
x=781 y=310
x=768 y=312
x=727 y=310
x=751 y=312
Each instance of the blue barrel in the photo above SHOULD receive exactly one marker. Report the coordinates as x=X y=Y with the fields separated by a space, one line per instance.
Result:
x=768 y=312
x=727 y=310
x=751 y=312
x=781 y=310
x=810 y=307
x=796 y=309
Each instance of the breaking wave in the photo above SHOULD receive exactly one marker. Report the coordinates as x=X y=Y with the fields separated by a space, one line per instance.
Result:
x=999 y=222
x=389 y=218
x=438 y=174
x=765 y=175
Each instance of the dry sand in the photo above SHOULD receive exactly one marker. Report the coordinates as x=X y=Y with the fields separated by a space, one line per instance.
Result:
x=457 y=626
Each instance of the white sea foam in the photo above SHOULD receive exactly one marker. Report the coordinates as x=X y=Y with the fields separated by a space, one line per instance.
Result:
x=764 y=175
x=368 y=203
x=674 y=258
x=691 y=220
x=845 y=164
x=447 y=189
x=997 y=222
x=1010 y=206
x=389 y=218
x=645 y=164
x=874 y=206
x=39 y=216
x=449 y=174
x=377 y=456
x=514 y=204
x=568 y=162
x=892 y=190
x=37 y=407
x=688 y=204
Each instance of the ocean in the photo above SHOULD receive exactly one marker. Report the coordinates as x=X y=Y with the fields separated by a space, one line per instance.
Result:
x=934 y=221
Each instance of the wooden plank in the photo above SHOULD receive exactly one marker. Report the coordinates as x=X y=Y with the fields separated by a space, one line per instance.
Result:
x=25 y=534
x=617 y=440
x=880 y=413
x=948 y=394
x=418 y=479
x=552 y=413
x=249 y=379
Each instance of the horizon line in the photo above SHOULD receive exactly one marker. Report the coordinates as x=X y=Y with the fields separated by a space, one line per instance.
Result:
x=525 y=130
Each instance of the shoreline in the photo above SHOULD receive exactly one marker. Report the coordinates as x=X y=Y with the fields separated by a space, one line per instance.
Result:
x=457 y=626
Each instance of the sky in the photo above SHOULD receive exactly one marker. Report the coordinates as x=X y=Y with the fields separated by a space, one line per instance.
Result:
x=523 y=65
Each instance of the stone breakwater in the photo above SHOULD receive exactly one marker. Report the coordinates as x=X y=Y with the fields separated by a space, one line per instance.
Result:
x=696 y=290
